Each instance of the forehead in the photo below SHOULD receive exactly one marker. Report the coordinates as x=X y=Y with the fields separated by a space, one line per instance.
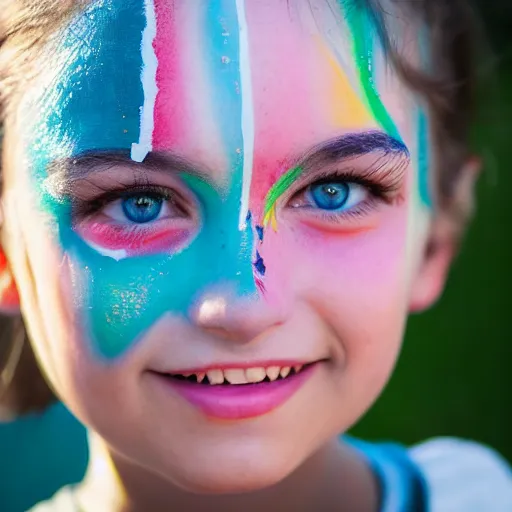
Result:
x=231 y=82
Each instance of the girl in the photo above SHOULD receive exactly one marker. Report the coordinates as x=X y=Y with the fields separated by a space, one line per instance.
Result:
x=217 y=215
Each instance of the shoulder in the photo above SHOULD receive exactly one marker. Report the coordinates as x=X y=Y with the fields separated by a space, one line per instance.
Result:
x=63 y=501
x=464 y=476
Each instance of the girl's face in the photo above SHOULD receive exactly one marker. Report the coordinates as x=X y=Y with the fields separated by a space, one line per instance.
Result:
x=201 y=192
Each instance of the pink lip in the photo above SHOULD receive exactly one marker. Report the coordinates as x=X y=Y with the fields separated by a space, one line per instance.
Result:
x=238 y=402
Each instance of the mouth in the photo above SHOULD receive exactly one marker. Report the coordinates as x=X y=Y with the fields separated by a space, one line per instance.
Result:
x=239 y=376
x=237 y=393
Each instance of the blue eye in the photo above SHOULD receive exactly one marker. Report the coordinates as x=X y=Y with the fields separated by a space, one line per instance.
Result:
x=330 y=195
x=142 y=208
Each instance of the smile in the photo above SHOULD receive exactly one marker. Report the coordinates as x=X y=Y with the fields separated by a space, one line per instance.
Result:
x=237 y=393
x=240 y=376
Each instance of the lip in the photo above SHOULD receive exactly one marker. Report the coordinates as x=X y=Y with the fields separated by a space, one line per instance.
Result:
x=232 y=402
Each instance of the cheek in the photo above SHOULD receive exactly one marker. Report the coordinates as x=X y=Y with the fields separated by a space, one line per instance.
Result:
x=357 y=283
x=46 y=287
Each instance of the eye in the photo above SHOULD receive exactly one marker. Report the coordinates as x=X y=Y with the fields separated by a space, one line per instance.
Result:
x=331 y=196
x=138 y=221
x=142 y=208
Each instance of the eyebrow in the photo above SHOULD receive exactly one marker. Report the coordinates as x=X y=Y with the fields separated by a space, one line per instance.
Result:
x=334 y=150
x=80 y=166
x=62 y=173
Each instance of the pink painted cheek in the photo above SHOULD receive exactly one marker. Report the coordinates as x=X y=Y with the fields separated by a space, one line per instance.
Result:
x=348 y=273
x=136 y=240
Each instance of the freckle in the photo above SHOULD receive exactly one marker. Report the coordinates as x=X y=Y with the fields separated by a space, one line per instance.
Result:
x=225 y=60
x=125 y=131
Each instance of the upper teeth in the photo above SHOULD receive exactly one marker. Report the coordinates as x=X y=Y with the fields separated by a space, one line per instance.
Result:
x=239 y=376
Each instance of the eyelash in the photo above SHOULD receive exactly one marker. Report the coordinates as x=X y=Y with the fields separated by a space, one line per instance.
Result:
x=384 y=188
x=84 y=208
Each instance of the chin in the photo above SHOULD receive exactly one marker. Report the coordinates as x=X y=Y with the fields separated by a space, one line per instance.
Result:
x=225 y=478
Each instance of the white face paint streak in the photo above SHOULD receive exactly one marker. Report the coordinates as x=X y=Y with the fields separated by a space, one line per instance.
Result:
x=148 y=78
x=247 y=112
x=118 y=255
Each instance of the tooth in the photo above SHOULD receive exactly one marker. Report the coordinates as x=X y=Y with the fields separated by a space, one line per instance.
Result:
x=200 y=377
x=298 y=368
x=215 y=377
x=273 y=372
x=285 y=372
x=235 y=376
x=255 y=374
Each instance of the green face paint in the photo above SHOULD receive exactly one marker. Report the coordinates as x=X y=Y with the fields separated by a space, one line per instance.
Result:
x=279 y=188
x=363 y=31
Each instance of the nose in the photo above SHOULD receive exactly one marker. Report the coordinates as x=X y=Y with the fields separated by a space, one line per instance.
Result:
x=227 y=315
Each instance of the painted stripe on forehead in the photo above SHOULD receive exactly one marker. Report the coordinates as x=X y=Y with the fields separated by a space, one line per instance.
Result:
x=221 y=29
x=248 y=128
x=148 y=78
x=364 y=33
x=169 y=107
x=95 y=101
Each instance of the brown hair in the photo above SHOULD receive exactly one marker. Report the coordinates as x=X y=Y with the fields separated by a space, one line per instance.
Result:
x=449 y=89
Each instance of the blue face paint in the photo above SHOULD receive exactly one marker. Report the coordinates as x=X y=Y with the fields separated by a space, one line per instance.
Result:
x=94 y=105
x=424 y=130
x=423 y=158
x=260 y=265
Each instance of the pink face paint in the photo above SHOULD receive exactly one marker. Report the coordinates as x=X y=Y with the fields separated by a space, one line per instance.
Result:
x=170 y=109
x=134 y=240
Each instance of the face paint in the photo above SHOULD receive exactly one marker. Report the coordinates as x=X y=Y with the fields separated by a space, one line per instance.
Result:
x=346 y=147
x=103 y=100
x=424 y=131
x=423 y=159
x=138 y=77
x=365 y=33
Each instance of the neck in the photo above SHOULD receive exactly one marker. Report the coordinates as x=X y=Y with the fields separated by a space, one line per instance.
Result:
x=335 y=476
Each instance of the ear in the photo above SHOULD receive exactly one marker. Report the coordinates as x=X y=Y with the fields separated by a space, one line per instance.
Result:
x=9 y=298
x=443 y=241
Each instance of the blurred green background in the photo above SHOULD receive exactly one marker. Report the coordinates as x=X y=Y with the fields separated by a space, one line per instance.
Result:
x=453 y=377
